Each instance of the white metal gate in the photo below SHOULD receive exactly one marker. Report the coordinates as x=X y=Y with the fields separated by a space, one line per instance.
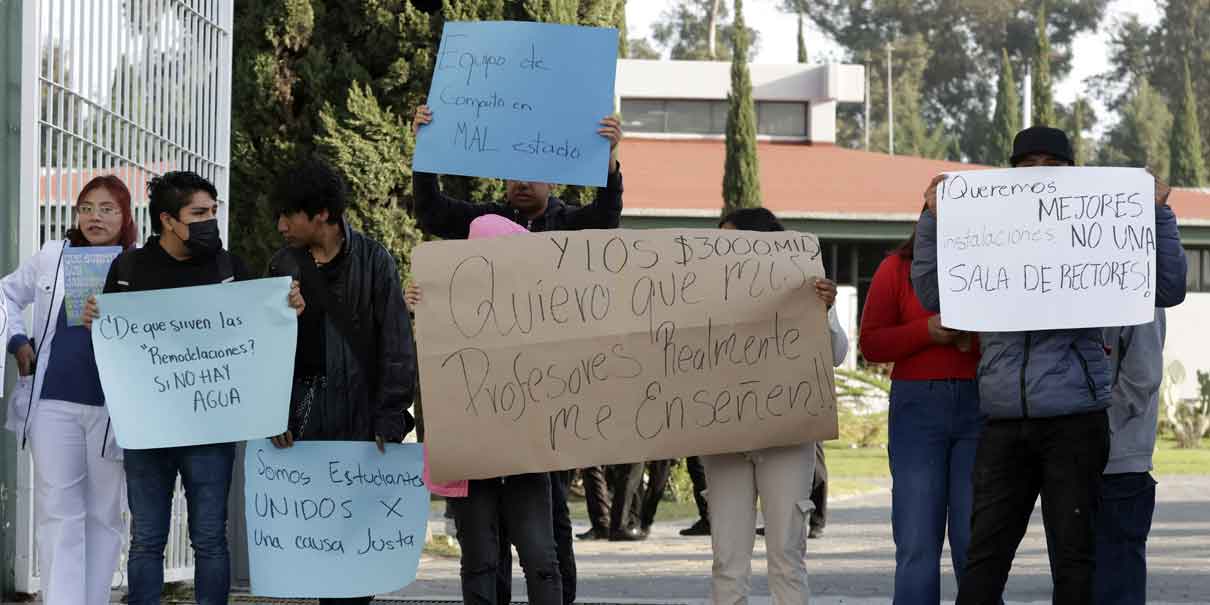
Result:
x=134 y=88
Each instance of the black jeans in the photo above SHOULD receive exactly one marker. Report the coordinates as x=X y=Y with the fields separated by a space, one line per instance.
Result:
x=625 y=481
x=518 y=507
x=657 y=479
x=697 y=474
x=1059 y=458
x=596 y=497
x=560 y=483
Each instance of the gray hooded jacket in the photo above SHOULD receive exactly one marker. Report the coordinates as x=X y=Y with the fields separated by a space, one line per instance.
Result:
x=1134 y=410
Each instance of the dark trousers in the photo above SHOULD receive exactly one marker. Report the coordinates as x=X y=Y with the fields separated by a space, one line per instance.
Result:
x=657 y=480
x=205 y=472
x=697 y=474
x=560 y=483
x=1123 y=523
x=819 y=490
x=1060 y=459
x=596 y=497
x=626 y=479
x=518 y=507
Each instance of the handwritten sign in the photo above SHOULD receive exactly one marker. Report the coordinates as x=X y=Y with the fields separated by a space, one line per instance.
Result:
x=571 y=349
x=186 y=366
x=1046 y=248
x=84 y=272
x=4 y=331
x=334 y=519
x=520 y=101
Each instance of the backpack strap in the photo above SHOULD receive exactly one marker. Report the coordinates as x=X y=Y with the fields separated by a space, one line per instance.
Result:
x=126 y=262
x=226 y=269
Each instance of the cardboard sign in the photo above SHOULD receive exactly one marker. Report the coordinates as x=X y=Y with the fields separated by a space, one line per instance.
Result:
x=1046 y=248
x=562 y=350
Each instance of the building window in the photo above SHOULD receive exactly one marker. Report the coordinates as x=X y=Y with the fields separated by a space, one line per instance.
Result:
x=703 y=117
x=781 y=119
x=1198 y=277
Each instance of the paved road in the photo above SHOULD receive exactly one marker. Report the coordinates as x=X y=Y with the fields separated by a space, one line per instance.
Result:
x=854 y=563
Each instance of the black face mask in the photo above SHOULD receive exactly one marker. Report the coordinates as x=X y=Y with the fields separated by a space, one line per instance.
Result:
x=204 y=239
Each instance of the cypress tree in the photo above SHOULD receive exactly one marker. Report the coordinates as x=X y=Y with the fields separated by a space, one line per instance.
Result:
x=802 y=42
x=1077 y=132
x=1006 y=122
x=741 y=170
x=1185 y=146
x=1043 y=98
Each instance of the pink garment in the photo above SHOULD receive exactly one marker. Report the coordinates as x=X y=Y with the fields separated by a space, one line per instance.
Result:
x=456 y=489
x=488 y=225
x=493 y=225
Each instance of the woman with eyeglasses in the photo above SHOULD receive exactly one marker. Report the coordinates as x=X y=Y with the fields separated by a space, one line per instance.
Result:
x=58 y=408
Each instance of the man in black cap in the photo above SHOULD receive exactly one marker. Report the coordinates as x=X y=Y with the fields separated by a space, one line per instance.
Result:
x=1045 y=394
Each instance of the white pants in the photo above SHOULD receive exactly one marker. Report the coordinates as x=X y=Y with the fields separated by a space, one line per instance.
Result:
x=782 y=477
x=79 y=507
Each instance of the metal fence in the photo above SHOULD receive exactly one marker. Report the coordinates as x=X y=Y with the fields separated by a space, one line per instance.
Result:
x=133 y=88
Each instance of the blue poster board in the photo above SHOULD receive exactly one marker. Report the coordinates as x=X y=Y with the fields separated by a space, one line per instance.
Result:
x=334 y=519
x=520 y=101
x=84 y=271
x=187 y=366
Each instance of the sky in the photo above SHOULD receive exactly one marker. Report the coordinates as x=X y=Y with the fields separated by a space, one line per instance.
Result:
x=778 y=38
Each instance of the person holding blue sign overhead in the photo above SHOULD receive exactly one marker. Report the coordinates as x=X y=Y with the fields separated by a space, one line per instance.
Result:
x=531 y=205
x=355 y=366
x=187 y=250
x=59 y=407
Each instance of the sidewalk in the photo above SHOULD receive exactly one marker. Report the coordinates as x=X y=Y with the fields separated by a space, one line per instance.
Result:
x=854 y=562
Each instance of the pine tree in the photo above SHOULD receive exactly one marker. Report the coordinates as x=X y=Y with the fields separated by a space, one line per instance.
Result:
x=741 y=170
x=1188 y=167
x=802 y=42
x=1007 y=120
x=1043 y=97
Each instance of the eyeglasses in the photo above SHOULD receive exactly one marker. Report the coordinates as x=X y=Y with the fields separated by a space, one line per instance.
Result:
x=105 y=211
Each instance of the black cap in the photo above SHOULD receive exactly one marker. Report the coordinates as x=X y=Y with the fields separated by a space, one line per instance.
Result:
x=1041 y=139
x=428 y=6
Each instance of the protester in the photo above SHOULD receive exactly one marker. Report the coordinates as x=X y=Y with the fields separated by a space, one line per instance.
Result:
x=934 y=427
x=517 y=508
x=355 y=364
x=697 y=475
x=658 y=472
x=596 y=500
x=59 y=407
x=186 y=251
x=781 y=476
x=1127 y=488
x=819 y=495
x=1045 y=394
x=530 y=204
x=626 y=485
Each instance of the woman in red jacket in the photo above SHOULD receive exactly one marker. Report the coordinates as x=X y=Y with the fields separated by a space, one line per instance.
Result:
x=934 y=427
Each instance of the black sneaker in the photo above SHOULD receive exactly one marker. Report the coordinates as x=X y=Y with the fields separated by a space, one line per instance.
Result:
x=815 y=533
x=594 y=534
x=760 y=531
x=700 y=528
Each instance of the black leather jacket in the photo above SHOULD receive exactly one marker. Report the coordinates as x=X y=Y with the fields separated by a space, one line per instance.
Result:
x=371 y=373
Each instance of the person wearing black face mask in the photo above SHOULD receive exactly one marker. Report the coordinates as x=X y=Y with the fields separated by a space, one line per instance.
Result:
x=187 y=250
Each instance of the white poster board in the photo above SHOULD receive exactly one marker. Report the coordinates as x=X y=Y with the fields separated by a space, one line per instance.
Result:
x=1046 y=248
x=4 y=332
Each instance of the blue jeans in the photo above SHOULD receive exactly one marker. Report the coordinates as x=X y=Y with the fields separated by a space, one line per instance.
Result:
x=1127 y=504
x=934 y=433
x=205 y=471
